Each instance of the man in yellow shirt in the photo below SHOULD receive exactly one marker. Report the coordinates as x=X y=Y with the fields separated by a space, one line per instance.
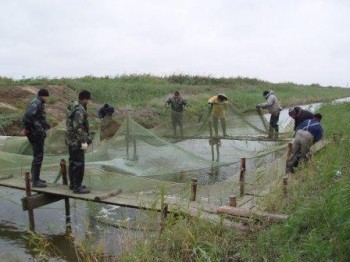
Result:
x=218 y=106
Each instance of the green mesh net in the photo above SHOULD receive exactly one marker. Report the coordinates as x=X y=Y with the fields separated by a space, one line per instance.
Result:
x=144 y=161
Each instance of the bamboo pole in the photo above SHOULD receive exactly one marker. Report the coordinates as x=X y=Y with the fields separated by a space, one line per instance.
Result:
x=194 y=183
x=242 y=176
x=29 y=204
x=107 y=195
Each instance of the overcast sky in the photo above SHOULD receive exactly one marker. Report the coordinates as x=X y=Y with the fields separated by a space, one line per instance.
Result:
x=306 y=41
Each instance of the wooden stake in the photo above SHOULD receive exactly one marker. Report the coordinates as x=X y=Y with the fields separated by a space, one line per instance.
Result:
x=232 y=201
x=285 y=186
x=193 y=189
x=29 y=204
x=64 y=171
x=242 y=176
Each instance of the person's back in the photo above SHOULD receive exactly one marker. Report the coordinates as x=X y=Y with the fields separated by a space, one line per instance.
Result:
x=302 y=116
x=105 y=110
x=177 y=103
x=77 y=124
x=314 y=127
x=218 y=106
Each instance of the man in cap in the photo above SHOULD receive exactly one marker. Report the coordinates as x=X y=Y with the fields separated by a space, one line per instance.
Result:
x=307 y=133
x=274 y=107
x=299 y=115
x=178 y=106
x=218 y=107
x=78 y=139
x=34 y=127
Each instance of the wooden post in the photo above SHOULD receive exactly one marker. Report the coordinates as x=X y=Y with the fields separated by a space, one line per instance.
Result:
x=285 y=186
x=242 y=176
x=193 y=189
x=66 y=199
x=163 y=215
x=232 y=201
x=29 y=204
x=63 y=166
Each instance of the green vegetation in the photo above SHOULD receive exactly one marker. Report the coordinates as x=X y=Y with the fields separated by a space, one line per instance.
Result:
x=147 y=90
x=317 y=230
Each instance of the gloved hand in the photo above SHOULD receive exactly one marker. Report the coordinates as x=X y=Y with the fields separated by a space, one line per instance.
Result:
x=84 y=146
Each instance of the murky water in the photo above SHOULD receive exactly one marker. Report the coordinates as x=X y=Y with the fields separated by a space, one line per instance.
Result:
x=86 y=218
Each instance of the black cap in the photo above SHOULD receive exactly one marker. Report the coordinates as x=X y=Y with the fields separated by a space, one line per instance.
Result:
x=84 y=95
x=222 y=97
x=43 y=92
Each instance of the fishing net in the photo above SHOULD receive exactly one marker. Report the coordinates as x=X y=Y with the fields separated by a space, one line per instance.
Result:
x=143 y=161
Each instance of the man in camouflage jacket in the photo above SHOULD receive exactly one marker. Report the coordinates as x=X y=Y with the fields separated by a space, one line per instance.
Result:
x=77 y=140
x=35 y=127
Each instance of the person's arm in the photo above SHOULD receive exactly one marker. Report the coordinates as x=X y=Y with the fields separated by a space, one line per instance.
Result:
x=269 y=102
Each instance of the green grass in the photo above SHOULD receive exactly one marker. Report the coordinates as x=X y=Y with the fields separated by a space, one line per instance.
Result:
x=151 y=91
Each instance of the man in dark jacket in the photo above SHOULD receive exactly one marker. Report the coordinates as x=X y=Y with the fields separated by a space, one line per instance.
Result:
x=307 y=133
x=299 y=115
x=78 y=138
x=35 y=127
x=106 y=110
x=178 y=106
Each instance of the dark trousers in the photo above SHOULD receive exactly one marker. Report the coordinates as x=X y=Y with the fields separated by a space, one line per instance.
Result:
x=76 y=166
x=38 y=156
x=275 y=117
x=177 y=120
